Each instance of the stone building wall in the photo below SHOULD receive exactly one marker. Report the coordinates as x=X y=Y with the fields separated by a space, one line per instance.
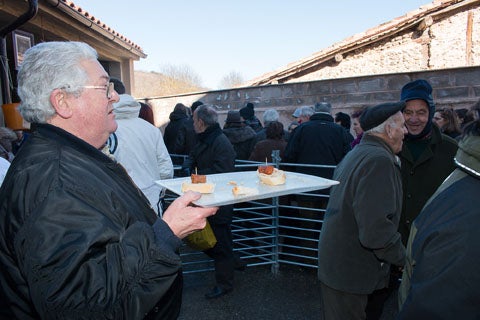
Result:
x=442 y=45
x=448 y=49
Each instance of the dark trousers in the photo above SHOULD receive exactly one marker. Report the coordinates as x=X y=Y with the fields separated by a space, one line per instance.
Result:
x=342 y=305
x=222 y=254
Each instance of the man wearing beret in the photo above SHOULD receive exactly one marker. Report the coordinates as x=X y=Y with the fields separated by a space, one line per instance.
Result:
x=359 y=238
x=427 y=154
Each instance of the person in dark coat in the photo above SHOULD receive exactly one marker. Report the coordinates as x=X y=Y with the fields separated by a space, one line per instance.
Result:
x=248 y=115
x=177 y=117
x=241 y=136
x=427 y=154
x=78 y=239
x=441 y=278
x=262 y=150
x=343 y=119
x=359 y=239
x=187 y=137
x=318 y=141
x=215 y=154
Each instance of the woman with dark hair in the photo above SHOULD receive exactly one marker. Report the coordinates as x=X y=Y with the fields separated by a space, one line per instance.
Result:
x=356 y=127
x=343 y=119
x=447 y=121
x=146 y=112
x=263 y=149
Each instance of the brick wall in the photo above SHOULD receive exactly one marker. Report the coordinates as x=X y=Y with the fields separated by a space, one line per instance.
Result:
x=451 y=87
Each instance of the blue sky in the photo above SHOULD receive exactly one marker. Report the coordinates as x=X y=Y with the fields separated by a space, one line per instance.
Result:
x=251 y=37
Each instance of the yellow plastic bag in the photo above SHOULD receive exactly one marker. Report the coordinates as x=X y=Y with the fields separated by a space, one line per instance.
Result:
x=202 y=240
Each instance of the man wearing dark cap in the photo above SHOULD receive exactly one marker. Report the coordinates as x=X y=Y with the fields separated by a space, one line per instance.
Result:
x=248 y=115
x=427 y=155
x=359 y=238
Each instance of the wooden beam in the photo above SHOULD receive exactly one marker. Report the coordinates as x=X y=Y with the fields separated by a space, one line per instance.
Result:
x=469 y=35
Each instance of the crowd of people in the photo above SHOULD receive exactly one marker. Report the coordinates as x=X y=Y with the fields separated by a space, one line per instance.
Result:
x=84 y=232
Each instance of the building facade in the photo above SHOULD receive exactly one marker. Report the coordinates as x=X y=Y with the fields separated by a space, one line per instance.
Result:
x=25 y=23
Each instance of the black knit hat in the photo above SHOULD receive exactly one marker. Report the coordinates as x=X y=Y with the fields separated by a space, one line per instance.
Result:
x=247 y=112
x=376 y=115
x=195 y=105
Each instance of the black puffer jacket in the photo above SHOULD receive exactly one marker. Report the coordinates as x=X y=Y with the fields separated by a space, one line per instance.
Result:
x=242 y=139
x=254 y=123
x=77 y=239
x=177 y=121
x=318 y=141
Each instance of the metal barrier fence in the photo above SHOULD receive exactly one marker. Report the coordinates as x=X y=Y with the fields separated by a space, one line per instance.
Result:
x=274 y=231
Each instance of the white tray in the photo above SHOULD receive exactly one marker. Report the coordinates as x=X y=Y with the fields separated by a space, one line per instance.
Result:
x=295 y=183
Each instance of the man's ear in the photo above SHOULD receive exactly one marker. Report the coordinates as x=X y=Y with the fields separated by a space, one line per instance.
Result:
x=388 y=130
x=58 y=99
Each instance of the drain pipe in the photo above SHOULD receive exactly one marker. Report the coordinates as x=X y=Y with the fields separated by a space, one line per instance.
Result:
x=4 y=70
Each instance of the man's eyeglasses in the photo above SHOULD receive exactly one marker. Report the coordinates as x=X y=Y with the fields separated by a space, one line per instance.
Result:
x=108 y=87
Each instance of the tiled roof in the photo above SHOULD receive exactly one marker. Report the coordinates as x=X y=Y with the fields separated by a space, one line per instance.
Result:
x=101 y=25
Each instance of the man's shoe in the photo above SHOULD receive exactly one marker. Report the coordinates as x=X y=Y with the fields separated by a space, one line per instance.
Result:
x=217 y=292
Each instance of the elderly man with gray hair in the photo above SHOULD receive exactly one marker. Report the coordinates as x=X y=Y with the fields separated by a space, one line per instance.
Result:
x=303 y=114
x=359 y=238
x=78 y=237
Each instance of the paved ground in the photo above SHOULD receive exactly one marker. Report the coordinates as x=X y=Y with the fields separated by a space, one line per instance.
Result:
x=293 y=294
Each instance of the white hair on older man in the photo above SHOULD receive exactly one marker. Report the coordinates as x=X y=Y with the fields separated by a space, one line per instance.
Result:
x=381 y=127
x=49 y=66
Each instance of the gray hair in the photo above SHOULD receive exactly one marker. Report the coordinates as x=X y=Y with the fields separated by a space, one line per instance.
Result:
x=306 y=111
x=48 y=66
x=207 y=113
x=270 y=115
x=381 y=127
x=323 y=107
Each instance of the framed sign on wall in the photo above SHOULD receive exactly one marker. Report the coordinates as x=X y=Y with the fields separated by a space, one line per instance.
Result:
x=22 y=41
